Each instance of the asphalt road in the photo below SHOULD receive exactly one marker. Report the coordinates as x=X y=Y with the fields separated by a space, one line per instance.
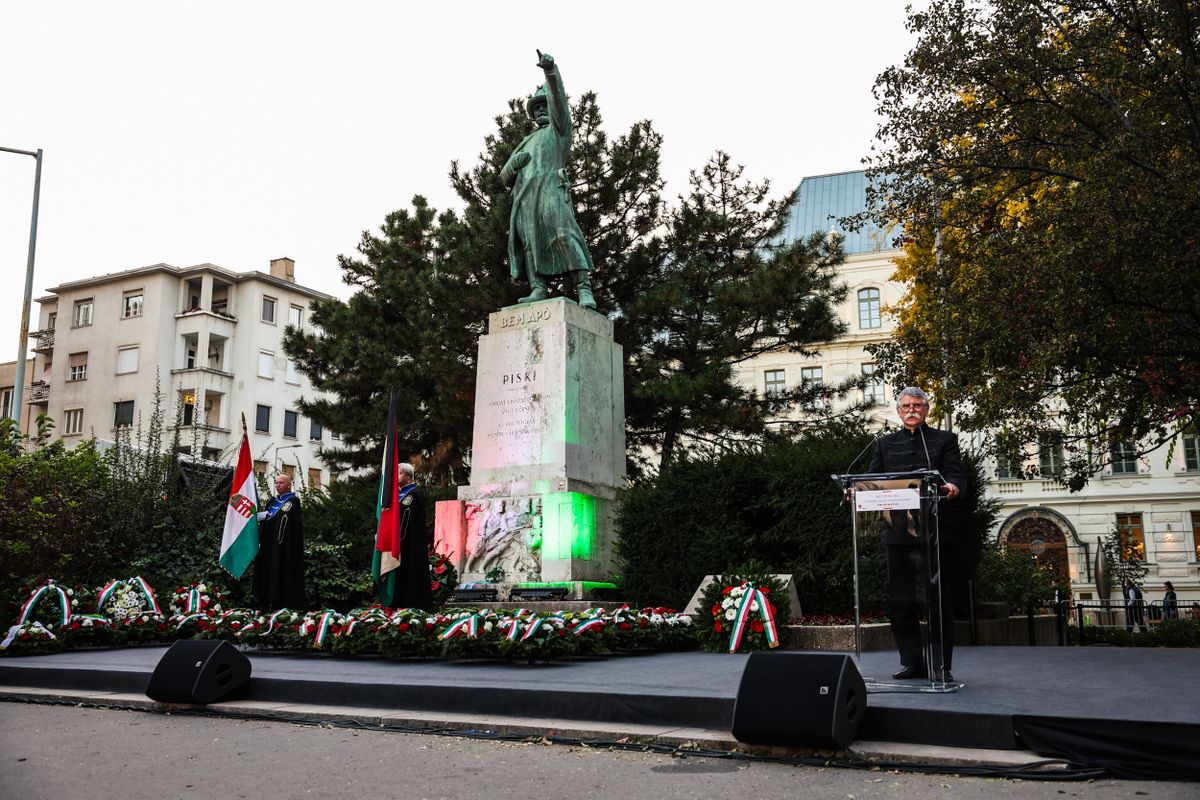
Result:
x=53 y=751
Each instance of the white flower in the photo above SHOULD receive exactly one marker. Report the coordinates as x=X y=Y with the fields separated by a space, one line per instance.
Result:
x=730 y=614
x=202 y=587
x=487 y=626
x=217 y=607
x=70 y=592
x=87 y=623
x=74 y=602
x=754 y=605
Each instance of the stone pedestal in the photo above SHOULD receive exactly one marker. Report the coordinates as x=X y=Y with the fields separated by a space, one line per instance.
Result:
x=548 y=452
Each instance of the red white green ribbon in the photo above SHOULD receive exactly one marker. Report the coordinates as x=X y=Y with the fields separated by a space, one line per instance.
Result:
x=469 y=624
x=51 y=587
x=749 y=596
x=271 y=621
x=188 y=619
x=323 y=628
x=193 y=601
x=515 y=630
x=593 y=623
x=98 y=619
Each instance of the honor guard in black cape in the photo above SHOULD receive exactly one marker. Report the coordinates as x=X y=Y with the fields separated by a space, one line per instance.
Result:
x=412 y=583
x=917 y=446
x=279 y=567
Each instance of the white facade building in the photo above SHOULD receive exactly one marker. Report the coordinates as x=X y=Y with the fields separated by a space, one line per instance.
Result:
x=212 y=339
x=1154 y=500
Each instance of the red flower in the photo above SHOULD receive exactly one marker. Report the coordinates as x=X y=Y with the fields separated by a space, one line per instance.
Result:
x=428 y=626
x=756 y=625
x=403 y=626
x=439 y=569
x=718 y=627
x=624 y=626
x=727 y=590
x=435 y=585
x=765 y=590
x=643 y=622
x=716 y=609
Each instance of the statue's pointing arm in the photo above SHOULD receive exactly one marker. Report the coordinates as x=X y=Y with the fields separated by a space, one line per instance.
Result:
x=557 y=105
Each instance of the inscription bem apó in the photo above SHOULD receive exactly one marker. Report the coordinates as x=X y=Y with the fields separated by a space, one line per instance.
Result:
x=526 y=317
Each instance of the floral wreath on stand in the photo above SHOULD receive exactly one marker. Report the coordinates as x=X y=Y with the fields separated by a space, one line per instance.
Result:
x=443 y=578
x=52 y=604
x=132 y=605
x=744 y=612
x=197 y=597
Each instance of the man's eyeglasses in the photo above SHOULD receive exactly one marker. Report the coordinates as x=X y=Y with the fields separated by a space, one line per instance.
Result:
x=912 y=406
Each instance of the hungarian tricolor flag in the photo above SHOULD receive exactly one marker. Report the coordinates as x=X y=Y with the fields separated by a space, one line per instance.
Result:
x=239 y=542
x=387 y=512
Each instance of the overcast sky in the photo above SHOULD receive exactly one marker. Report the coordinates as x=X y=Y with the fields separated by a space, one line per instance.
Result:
x=237 y=132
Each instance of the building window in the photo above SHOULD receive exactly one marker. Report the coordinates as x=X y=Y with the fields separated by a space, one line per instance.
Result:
x=72 y=421
x=262 y=419
x=314 y=430
x=289 y=470
x=52 y=320
x=873 y=388
x=123 y=414
x=266 y=364
x=131 y=304
x=127 y=359
x=1191 y=453
x=1124 y=459
x=1132 y=537
x=335 y=435
x=1008 y=468
x=268 y=309
x=6 y=398
x=811 y=379
x=295 y=316
x=260 y=469
x=868 y=309
x=290 y=418
x=314 y=478
x=83 y=313
x=1195 y=532
x=1050 y=459
x=774 y=382
x=293 y=372
x=77 y=367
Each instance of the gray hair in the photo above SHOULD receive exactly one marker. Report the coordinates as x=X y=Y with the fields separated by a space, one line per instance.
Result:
x=912 y=391
x=407 y=469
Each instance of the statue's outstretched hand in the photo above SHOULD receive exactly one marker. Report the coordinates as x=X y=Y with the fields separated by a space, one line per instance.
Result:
x=545 y=60
x=520 y=160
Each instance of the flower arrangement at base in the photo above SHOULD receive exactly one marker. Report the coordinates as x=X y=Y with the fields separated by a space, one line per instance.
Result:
x=199 y=596
x=744 y=609
x=359 y=634
x=95 y=630
x=134 y=610
x=278 y=630
x=146 y=627
x=591 y=631
x=649 y=629
x=410 y=633
x=228 y=624
x=30 y=639
x=191 y=626
x=443 y=578
x=536 y=637
x=468 y=633
x=50 y=603
x=318 y=628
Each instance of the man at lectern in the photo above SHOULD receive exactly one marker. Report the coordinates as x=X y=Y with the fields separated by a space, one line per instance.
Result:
x=918 y=446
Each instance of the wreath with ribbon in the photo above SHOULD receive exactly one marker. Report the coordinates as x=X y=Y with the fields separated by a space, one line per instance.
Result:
x=197 y=597
x=744 y=609
x=126 y=599
x=51 y=604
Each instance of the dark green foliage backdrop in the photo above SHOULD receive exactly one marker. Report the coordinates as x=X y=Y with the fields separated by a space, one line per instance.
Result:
x=776 y=505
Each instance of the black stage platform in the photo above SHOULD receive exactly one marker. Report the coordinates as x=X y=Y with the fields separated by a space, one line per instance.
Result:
x=1117 y=688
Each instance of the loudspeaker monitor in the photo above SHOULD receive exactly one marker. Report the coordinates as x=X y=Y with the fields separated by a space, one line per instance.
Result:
x=799 y=699
x=198 y=671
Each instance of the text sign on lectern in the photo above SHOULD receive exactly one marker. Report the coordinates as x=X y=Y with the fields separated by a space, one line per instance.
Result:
x=886 y=500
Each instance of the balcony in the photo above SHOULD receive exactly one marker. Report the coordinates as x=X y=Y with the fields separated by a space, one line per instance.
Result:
x=39 y=393
x=43 y=341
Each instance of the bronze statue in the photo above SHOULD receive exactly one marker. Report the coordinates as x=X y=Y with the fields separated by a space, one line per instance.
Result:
x=543 y=237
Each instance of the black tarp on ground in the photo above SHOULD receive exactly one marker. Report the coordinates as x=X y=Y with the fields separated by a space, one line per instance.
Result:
x=1126 y=748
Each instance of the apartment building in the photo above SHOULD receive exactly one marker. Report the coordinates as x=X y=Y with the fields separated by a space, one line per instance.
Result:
x=211 y=339
x=1153 y=501
x=8 y=393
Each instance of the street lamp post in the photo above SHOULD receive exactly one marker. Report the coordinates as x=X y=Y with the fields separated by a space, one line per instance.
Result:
x=23 y=344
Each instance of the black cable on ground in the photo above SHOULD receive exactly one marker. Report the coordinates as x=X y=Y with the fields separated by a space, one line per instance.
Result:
x=1047 y=770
